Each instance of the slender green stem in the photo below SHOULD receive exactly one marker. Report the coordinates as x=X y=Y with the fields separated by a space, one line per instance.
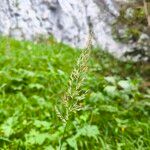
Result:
x=61 y=141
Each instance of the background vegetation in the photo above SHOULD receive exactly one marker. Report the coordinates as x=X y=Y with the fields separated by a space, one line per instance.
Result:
x=132 y=27
x=33 y=78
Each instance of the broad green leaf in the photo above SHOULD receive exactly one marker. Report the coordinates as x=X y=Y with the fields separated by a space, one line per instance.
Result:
x=42 y=124
x=125 y=84
x=72 y=142
x=40 y=100
x=34 y=137
x=89 y=131
x=95 y=97
x=7 y=127
x=49 y=148
x=110 y=90
x=110 y=79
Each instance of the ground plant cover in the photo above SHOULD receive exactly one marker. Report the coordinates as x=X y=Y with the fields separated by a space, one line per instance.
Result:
x=114 y=114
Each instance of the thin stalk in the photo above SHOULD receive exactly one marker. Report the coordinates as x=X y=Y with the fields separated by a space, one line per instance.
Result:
x=61 y=141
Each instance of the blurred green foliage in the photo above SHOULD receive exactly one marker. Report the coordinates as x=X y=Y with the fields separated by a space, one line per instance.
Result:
x=33 y=78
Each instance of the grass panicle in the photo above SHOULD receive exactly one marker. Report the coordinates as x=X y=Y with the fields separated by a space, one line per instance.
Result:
x=74 y=95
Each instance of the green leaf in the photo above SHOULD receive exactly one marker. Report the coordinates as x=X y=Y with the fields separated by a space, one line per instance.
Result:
x=40 y=100
x=42 y=124
x=110 y=90
x=7 y=126
x=124 y=84
x=110 y=79
x=4 y=139
x=36 y=86
x=49 y=148
x=35 y=137
x=27 y=73
x=72 y=142
x=108 y=108
x=95 y=97
x=90 y=131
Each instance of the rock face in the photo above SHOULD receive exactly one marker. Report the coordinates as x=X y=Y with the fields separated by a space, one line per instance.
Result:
x=67 y=20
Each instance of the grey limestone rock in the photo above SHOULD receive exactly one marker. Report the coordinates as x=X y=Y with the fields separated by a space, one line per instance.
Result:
x=68 y=21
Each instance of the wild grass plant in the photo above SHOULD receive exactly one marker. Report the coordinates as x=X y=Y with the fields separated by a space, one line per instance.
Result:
x=74 y=94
